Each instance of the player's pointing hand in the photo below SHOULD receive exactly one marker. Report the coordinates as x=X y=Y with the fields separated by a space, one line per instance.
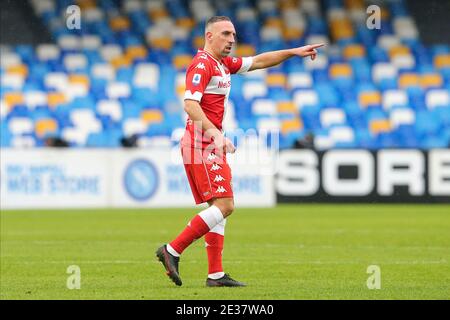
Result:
x=308 y=50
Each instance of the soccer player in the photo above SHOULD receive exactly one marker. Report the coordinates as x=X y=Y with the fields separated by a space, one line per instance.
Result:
x=204 y=147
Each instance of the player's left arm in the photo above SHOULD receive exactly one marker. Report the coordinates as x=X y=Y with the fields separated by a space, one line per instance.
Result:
x=273 y=58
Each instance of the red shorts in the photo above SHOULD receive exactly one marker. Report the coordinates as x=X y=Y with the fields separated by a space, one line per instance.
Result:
x=209 y=176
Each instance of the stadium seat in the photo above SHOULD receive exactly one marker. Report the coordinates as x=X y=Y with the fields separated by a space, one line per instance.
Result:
x=45 y=127
x=437 y=98
x=394 y=98
x=304 y=98
x=133 y=126
x=299 y=80
x=333 y=116
x=369 y=99
x=401 y=116
x=20 y=126
x=252 y=89
x=111 y=108
x=264 y=107
x=382 y=71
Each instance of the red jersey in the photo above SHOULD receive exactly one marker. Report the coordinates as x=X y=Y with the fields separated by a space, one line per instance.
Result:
x=208 y=81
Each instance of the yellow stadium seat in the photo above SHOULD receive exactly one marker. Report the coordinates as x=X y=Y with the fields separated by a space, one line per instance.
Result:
x=135 y=52
x=291 y=125
x=55 y=99
x=119 y=23
x=344 y=33
x=273 y=22
x=408 y=80
x=354 y=4
x=152 y=116
x=431 y=80
x=399 y=50
x=158 y=13
x=79 y=79
x=378 y=126
x=19 y=69
x=180 y=90
x=340 y=70
x=185 y=22
x=164 y=43
x=276 y=80
x=442 y=61
x=292 y=33
x=13 y=98
x=182 y=61
x=369 y=98
x=341 y=29
x=354 y=51
x=385 y=14
x=44 y=126
x=198 y=42
x=245 y=50
x=286 y=107
x=288 y=4
x=120 y=61
x=86 y=4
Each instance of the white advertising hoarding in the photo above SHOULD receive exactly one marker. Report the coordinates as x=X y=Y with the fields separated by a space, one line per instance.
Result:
x=74 y=178
x=53 y=178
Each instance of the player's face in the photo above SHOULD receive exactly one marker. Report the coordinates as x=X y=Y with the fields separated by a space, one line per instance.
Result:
x=223 y=37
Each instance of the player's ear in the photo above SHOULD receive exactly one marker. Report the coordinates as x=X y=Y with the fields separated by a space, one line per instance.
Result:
x=208 y=35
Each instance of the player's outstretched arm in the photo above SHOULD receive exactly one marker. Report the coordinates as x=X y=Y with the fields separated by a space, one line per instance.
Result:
x=272 y=58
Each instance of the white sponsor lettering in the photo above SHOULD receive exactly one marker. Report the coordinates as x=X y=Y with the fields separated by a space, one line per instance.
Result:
x=364 y=173
x=298 y=173
x=439 y=171
x=359 y=186
x=400 y=168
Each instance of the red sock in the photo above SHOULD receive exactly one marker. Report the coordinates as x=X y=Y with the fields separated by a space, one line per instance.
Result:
x=214 y=248
x=194 y=230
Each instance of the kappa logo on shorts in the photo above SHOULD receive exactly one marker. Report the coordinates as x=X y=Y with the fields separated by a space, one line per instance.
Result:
x=219 y=178
x=221 y=189
x=211 y=156
x=215 y=167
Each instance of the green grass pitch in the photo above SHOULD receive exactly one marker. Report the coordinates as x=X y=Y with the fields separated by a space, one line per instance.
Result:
x=288 y=252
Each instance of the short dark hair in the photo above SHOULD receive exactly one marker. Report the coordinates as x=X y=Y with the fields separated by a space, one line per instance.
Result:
x=216 y=19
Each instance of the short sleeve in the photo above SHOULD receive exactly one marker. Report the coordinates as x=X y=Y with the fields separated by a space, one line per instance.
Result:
x=238 y=65
x=198 y=76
